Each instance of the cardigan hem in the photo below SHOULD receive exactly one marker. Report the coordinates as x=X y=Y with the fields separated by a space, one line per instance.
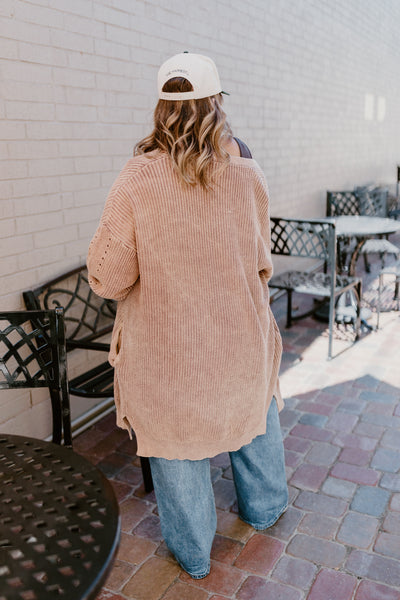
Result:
x=192 y=449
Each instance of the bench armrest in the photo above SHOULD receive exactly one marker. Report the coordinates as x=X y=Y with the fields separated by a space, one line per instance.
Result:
x=71 y=344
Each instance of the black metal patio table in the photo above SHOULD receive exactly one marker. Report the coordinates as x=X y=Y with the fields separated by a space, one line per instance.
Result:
x=362 y=228
x=59 y=522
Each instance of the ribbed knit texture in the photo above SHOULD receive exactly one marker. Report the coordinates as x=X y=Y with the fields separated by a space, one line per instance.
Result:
x=195 y=346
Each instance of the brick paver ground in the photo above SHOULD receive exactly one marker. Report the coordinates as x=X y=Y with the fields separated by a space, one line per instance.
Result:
x=340 y=537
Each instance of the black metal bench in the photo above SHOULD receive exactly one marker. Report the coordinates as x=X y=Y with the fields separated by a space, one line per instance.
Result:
x=88 y=319
x=312 y=239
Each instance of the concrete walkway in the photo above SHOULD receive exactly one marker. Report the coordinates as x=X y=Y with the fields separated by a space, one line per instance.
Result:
x=340 y=537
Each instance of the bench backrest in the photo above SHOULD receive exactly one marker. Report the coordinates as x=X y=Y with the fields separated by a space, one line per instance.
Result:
x=304 y=238
x=87 y=316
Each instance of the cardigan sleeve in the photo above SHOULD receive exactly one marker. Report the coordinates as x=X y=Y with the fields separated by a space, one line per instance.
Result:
x=264 y=247
x=112 y=258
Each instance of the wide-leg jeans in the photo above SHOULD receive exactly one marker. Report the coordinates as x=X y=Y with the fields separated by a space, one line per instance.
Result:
x=186 y=502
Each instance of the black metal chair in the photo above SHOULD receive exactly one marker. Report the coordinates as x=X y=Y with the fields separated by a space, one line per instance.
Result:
x=393 y=207
x=312 y=239
x=342 y=203
x=33 y=355
x=367 y=201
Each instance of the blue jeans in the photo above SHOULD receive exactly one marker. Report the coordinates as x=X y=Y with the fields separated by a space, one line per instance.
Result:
x=186 y=502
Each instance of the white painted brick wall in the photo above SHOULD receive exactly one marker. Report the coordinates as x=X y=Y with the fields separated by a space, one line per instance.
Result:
x=77 y=90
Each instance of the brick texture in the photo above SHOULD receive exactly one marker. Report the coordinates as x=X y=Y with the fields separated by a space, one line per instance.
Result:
x=375 y=567
x=223 y=579
x=255 y=588
x=358 y=530
x=319 y=526
x=182 y=591
x=388 y=544
x=78 y=84
x=317 y=550
x=225 y=550
x=309 y=477
x=152 y=579
x=319 y=503
x=368 y=590
x=294 y=571
x=260 y=554
x=332 y=585
x=355 y=474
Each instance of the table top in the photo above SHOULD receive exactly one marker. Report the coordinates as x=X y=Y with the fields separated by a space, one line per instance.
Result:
x=59 y=522
x=357 y=225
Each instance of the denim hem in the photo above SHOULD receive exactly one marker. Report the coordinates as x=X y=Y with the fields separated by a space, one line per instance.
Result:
x=261 y=526
x=195 y=575
x=199 y=576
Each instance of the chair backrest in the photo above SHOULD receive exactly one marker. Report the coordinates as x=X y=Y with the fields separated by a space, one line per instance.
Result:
x=370 y=201
x=86 y=315
x=33 y=355
x=342 y=203
x=304 y=238
x=373 y=201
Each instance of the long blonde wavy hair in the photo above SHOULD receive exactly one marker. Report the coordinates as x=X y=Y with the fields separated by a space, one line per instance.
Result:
x=192 y=132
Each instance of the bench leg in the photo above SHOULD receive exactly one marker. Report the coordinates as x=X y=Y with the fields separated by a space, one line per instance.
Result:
x=56 y=416
x=146 y=473
x=289 y=309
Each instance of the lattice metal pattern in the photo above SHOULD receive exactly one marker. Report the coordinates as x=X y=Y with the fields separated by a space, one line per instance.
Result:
x=28 y=350
x=373 y=201
x=342 y=203
x=88 y=318
x=300 y=238
x=310 y=283
x=393 y=206
x=58 y=520
x=367 y=201
x=85 y=312
x=86 y=315
x=32 y=355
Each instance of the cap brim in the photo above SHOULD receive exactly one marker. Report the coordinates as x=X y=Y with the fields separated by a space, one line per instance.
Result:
x=226 y=93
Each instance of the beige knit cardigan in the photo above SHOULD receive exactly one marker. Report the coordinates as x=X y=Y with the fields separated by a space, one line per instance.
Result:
x=195 y=346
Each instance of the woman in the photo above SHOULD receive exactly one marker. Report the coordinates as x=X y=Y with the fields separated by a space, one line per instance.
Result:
x=184 y=246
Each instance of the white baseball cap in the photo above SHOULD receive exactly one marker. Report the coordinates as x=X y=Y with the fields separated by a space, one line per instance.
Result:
x=199 y=70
